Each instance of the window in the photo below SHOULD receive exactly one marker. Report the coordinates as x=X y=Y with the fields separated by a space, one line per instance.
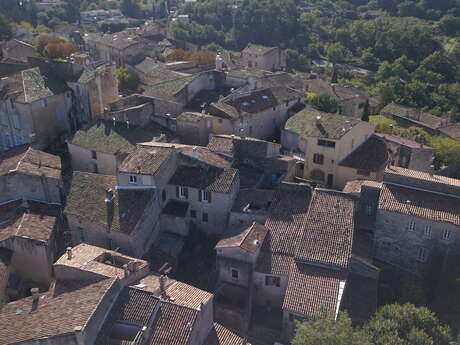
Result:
x=318 y=158
x=422 y=254
x=94 y=154
x=205 y=217
x=446 y=235
x=411 y=226
x=204 y=196
x=272 y=281
x=182 y=192
x=220 y=120
x=235 y=273
x=326 y=143
x=133 y=179
x=192 y=214
x=44 y=103
x=363 y=172
x=163 y=195
x=427 y=232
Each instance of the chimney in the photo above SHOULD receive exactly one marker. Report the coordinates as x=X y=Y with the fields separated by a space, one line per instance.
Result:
x=109 y=195
x=35 y=298
x=195 y=152
x=163 y=280
x=69 y=253
x=126 y=270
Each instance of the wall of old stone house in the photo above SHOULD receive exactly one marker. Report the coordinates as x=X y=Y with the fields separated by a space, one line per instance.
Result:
x=353 y=107
x=31 y=259
x=16 y=133
x=224 y=126
x=97 y=235
x=421 y=159
x=273 y=60
x=293 y=142
x=218 y=210
x=195 y=133
x=203 y=324
x=82 y=101
x=139 y=115
x=163 y=107
x=31 y=187
x=225 y=265
x=272 y=295
x=346 y=174
x=395 y=244
x=147 y=229
x=235 y=82
x=61 y=339
x=82 y=160
x=109 y=84
x=241 y=217
x=332 y=156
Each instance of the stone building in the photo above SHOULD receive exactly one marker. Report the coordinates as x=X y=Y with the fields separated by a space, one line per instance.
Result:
x=101 y=213
x=409 y=154
x=34 y=108
x=29 y=230
x=336 y=148
x=102 y=146
x=194 y=128
x=417 y=217
x=257 y=113
x=264 y=58
x=26 y=173
x=18 y=50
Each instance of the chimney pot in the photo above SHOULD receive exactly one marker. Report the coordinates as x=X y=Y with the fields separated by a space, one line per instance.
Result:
x=69 y=253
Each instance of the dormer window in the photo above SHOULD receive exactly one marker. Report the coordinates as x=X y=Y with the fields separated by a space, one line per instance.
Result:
x=133 y=179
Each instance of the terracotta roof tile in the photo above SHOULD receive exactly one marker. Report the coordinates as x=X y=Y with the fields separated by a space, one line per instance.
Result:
x=86 y=200
x=35 y=223
x=132 y=306
x=413 y=114
x=145 y=161
x=203 y=155
x=248 y=237
x=328 y=235
x=424 y=204
x=276 y=264
x=219 y=335
x=173 y=325
x=221 y=144
x=211 y=179
x=69 y=305
x=372 y=155
x=312 y=290
x=186 y=295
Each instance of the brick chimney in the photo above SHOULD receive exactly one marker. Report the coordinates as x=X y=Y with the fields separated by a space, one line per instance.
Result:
x=163 y=279
x=69 y=253
x=35 y=298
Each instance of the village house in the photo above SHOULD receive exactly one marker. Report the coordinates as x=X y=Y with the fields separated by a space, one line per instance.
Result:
x=251 y=205
x=264 y=58
x=151 y=71
x=417 y=216
x=293 y=267
x=351 y=99
x=29 y=230
x=98 y=15
x=26 y=173
x=125 y=47
x=258 y=113
x=194 y=128
x=101 y=213
x=19 y=50
x=34 y=108
x=101 y=147
x=336 y=148
x=409 y=154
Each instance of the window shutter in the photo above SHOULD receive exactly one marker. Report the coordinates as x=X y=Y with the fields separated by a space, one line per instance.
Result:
x=199 y=195
x=186 y=192
x=209 y=197
x=177 y=192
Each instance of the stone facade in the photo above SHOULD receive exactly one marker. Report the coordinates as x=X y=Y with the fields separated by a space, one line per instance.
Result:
x=264 y=58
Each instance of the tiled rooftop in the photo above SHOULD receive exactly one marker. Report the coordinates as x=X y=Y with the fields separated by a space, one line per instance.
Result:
x=272 y=263
x=312 y=290
x=220 y=335
x=257 y=49
x=253 y=200
x=145 y=161
x=35 y=223
x=306 y=124
x=203 y=155
x=221 y=144
x=328 y=235
x=248 y=237
x=211 y=179
x=424 y=204
x=86 y=201
x=69 y=305
x=26 y=160
x=402 y=141
x=413 y=114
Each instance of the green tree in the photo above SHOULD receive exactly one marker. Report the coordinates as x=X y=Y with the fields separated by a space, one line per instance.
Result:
x=326 y=331
x=407 y=324
x=366 y=111
x=324 y=102
x=335 y=53
x=127 y=81
x=130 y=8
x=383 y=124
